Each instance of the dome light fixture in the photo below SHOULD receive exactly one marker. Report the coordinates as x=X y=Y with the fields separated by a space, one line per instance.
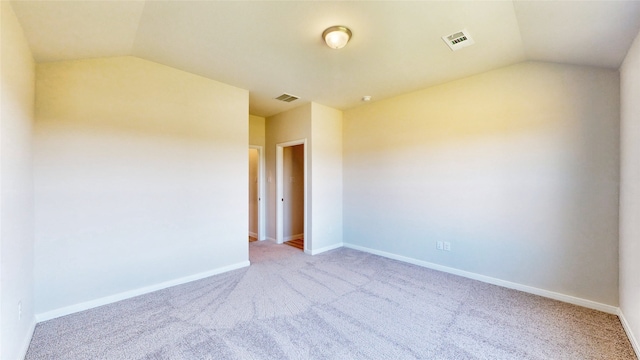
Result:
x=337 y=36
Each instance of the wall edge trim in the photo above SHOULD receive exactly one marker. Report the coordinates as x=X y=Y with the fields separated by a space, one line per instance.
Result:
x=627 y=328
x=325 y=249
x=22 y=351
x=67 y=310
x=495 y=281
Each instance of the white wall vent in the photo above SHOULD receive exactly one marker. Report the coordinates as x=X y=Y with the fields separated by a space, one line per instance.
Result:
x=458 y=40
x=287 y=98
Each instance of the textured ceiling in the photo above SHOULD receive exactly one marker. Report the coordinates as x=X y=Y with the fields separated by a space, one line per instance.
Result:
x=271 y=47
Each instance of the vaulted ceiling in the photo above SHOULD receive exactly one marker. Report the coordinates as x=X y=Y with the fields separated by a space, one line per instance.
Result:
x=271 y=47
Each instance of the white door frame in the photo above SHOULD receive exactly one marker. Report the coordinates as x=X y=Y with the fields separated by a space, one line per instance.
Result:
x=262 y=224
x=280 y=191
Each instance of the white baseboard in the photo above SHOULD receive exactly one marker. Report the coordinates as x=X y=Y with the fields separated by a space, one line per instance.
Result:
x=627 y=328
x=326 y=248
x=271 y=239
x=487 y=279
x=24 y=347
x=253 y=234
x=293 y=237
x=133 y=293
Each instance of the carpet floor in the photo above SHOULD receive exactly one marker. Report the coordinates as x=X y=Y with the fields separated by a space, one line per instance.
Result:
x=342 y=304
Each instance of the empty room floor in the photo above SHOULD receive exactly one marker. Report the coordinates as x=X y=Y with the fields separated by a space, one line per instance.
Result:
x=342 y=304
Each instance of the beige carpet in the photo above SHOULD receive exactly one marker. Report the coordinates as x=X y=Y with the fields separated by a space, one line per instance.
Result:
x=343 y=304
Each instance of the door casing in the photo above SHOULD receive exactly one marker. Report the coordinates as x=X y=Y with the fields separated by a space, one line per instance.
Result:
x=280 y=192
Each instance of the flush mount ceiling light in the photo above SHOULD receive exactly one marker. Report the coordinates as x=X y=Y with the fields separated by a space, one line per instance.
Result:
x=336 y=37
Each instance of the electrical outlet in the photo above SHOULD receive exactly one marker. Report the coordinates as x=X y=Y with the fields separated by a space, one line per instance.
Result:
x=19 y=310
x=439 y=245
x=447 y=246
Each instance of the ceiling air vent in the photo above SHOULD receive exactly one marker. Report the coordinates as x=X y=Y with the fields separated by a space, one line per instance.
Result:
x=458 y=40
x=287 y=98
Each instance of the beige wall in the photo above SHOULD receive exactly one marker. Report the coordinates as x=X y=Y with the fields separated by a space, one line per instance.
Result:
x=140 y=178
x=253 y=192
x=288 y=126
x=517 y=168
x=321 y=126
x=630 y=193
x=256 y=130
x=326 y=155
x=16 y=187
x=257 y=137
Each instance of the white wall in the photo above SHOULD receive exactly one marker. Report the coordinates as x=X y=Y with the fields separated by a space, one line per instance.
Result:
x=517 y=168
x=16 y=187
x=140 y=179
x=630 y=193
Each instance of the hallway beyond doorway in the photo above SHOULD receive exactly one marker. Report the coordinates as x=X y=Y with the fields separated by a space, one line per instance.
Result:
x=296 y=243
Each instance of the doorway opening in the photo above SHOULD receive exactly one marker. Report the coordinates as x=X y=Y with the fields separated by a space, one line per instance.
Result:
x=256 y=204
x=291 y=175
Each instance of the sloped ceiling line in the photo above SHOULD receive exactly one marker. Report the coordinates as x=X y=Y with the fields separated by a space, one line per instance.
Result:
x=273 y=47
